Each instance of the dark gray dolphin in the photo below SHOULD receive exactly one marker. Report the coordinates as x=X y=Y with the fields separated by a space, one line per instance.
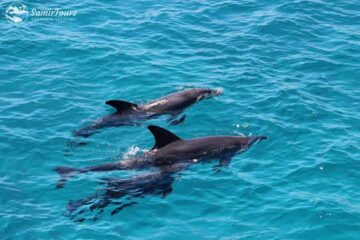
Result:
x=123 y=192
x=128 y=114
x=170 y=154
x=169 y=149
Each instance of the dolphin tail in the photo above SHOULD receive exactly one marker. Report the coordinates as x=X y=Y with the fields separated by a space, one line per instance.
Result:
x=86 y=131
x=65 y=174
x=66 y=170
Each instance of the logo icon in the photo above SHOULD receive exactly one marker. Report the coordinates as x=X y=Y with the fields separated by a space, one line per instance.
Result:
x=16 y=13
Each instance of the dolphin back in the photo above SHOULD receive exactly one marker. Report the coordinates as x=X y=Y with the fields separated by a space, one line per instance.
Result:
x=162 y=136
x=120 y=105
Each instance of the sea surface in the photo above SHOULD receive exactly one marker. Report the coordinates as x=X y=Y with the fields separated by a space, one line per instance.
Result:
x=288 y=69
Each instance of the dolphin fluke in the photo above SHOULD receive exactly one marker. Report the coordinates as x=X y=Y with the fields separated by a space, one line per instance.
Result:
x=65 y=173
x=66 y=170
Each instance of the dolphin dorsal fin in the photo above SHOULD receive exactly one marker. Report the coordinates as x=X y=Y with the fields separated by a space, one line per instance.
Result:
x=162 y=136
x=120 y=105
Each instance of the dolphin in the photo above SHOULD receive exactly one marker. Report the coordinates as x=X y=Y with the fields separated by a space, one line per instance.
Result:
x=170 y=149
x=129 y=114
x=123 y=192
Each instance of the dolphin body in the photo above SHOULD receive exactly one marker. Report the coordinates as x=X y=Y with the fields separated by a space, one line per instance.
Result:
x=170 y=155
x=128 y=114
x=169 y=149
x=123 y=192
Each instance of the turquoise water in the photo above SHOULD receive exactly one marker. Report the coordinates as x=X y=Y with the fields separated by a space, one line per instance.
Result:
x=289 y=70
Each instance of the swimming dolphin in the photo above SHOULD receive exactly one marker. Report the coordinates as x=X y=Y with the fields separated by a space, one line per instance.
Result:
x=170 y=149
x=123 y=192
x=128 y=114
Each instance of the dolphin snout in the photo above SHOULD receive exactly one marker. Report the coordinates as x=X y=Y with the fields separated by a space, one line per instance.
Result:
x=256 y=139
x=216 y=92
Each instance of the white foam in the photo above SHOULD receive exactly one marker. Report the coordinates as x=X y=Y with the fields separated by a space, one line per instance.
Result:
x=132 y=151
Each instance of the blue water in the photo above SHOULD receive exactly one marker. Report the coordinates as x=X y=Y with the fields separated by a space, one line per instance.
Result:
x=289 y=70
